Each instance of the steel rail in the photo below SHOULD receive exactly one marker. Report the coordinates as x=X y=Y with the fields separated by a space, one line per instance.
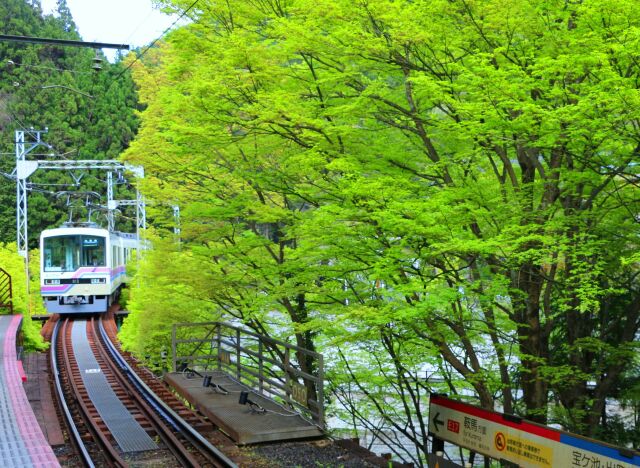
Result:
x=113 y=458
x=76 y=439
x=176 y=447
x=213 y=454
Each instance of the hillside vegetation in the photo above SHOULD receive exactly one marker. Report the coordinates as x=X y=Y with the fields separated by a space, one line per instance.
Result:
x=89 y=114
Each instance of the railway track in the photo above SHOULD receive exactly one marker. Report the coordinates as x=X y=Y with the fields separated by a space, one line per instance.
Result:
x=167 y=434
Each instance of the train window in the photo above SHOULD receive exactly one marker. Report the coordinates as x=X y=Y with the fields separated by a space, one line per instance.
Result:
x=93 y=251
x=68 y=253
x=117 y=256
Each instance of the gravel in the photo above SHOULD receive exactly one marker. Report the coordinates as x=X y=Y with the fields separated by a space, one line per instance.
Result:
x=317 y=454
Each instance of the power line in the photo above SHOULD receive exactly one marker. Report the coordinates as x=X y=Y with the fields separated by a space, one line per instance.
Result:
x=67 y=88
x=140 y=24
x=154 y=42
x=23 y=65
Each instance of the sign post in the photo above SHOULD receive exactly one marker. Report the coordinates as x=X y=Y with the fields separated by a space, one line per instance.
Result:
x=436 y=460
x=526 y=444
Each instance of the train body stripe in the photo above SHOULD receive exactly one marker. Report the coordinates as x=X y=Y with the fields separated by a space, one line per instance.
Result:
x=64 y=288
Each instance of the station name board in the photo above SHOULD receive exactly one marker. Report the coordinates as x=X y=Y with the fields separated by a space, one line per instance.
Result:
x=505 y=437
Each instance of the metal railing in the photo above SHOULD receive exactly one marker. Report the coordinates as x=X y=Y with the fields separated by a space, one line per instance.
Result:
x=286 y=373
x=6 y=293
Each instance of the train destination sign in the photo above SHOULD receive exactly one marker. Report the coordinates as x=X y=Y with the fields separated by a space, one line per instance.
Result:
x=505 y=437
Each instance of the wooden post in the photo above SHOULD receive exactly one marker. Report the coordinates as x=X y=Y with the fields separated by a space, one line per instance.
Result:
x=173 y=348
x=238 y=354
x=320 y=391
x=260 y=368
x=219 y=340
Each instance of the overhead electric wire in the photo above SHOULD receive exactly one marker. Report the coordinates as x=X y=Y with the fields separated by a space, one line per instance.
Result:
x=135 y=30
x=24 y=65
x=138 y=57
x=33 y=186
x=154 y=42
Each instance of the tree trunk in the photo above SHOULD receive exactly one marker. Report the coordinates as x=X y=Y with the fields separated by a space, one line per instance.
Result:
x=533 y=341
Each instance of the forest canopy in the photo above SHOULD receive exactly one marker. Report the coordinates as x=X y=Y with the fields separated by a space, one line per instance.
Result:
x=439 y=195
x=87 y=114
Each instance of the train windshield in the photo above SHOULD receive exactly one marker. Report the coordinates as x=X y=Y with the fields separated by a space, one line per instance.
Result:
x=68 y=253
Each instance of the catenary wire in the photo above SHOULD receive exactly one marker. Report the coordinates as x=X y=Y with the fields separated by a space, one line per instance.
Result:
x=153 y=43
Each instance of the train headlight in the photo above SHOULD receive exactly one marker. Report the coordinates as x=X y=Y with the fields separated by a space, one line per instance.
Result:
x=98 y=280
x=52 y=281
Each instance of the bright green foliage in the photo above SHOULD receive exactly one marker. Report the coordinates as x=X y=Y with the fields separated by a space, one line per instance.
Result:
x=428 y=187
x=183 y=287
x=14 y=265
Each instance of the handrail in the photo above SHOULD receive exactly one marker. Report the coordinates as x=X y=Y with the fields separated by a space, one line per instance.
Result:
x=248 y=332
x=6 y=291
x=269 y=365
x=167 y=413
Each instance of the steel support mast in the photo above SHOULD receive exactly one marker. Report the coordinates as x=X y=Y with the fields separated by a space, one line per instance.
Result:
x=22 y=149
x=24 y=169
x=110 y=222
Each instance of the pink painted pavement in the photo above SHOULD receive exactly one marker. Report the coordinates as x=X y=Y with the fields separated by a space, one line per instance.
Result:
x=40 y=451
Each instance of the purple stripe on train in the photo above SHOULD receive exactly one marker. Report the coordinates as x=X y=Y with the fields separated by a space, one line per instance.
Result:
x=62 y=288
x=81 y=271
x=57 y=289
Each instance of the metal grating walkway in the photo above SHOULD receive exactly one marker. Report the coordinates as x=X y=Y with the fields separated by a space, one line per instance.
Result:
x=129 y=435
x=22 y=443
x=242 y=424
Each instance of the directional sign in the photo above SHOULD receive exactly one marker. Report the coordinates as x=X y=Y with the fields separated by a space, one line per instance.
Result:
x=437 y=422
x=505 y=437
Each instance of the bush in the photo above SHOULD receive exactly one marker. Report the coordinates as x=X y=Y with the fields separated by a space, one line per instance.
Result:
x=24 y=303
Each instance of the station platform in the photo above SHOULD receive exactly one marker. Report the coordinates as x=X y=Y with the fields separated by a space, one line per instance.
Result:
x=241 y=422
x=22 y=443
x=41 y=398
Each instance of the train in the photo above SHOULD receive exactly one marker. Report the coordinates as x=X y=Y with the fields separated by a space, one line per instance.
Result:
x=82 y=267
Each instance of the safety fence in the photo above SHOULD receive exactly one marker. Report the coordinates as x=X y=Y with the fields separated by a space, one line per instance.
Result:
x=6 y=293
x=288 y=374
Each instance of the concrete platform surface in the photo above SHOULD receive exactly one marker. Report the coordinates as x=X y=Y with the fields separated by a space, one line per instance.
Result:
x=40 y=397
x=22 y=443
x=243 y=425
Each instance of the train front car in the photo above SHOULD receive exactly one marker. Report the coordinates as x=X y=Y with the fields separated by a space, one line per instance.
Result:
x=76 y=270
